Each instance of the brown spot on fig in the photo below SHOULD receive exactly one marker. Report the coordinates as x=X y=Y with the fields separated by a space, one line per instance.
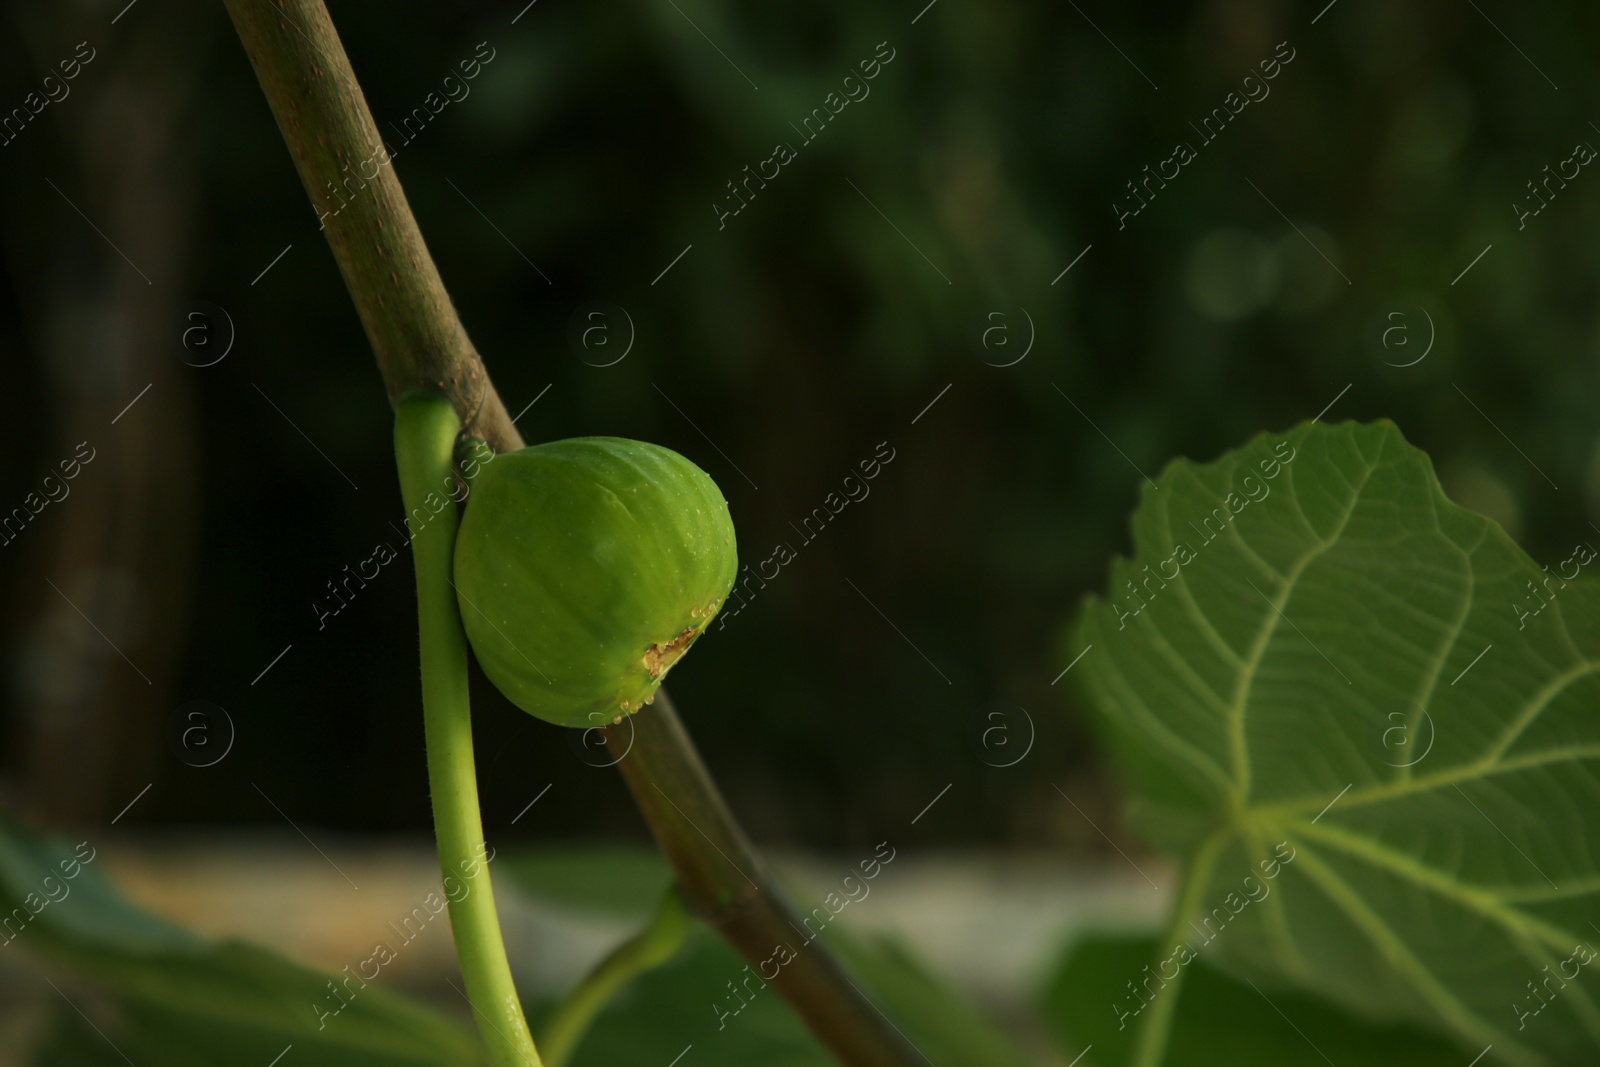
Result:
x=658 y=657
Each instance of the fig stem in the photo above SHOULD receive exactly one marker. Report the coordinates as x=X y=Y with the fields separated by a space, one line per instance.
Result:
x=425 y=430
x=651 y=947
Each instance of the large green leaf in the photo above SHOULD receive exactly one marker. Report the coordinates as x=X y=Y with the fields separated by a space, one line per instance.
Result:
x=1314 y=651
x=187 y=1000
x=1221 y=1021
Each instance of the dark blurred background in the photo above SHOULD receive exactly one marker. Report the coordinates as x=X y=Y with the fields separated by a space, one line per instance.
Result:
x=778 y=352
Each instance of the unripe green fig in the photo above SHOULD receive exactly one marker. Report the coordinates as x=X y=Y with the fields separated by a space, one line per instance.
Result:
x=585 y=569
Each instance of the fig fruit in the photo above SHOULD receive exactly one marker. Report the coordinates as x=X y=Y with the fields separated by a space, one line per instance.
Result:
x=585 y=569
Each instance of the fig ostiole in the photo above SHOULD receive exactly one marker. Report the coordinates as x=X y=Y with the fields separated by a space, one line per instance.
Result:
x=585 y=568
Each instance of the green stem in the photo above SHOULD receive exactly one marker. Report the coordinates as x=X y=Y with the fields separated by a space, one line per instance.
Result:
x=1150 y=1047
x=425 y=430
x=651 y=947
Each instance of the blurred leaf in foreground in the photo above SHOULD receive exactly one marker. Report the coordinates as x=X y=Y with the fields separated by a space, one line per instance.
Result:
x=186 y=1000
